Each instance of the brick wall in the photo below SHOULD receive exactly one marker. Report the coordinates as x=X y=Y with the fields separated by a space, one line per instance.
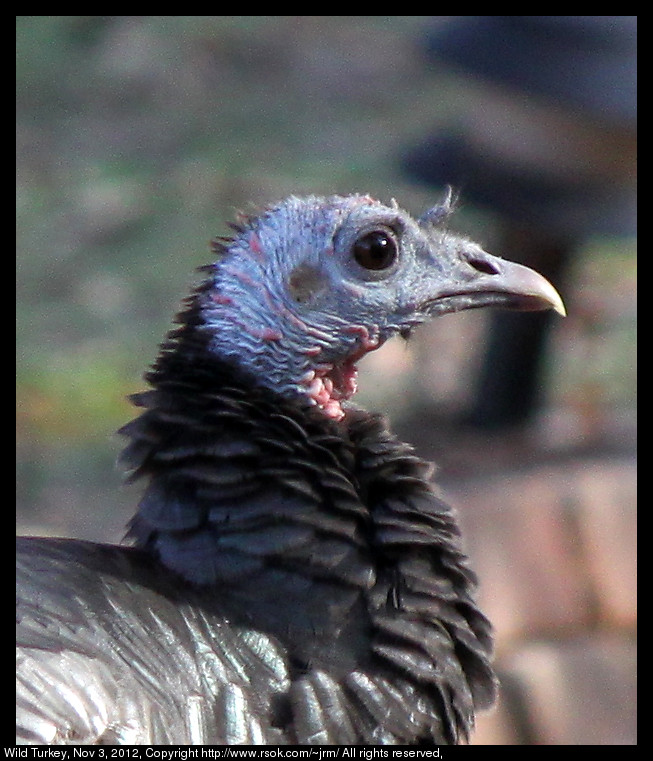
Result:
x=554 y=546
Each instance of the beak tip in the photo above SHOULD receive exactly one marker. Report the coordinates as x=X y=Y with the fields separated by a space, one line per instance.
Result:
x=553 y=298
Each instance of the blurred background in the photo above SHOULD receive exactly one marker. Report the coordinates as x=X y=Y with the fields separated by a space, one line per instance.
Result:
x=138 y=137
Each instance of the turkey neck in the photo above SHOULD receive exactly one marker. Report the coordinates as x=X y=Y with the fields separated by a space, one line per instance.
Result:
x=247 y=493
x=313 y=527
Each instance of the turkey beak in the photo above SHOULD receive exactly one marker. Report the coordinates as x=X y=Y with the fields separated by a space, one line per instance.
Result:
x=478 y=279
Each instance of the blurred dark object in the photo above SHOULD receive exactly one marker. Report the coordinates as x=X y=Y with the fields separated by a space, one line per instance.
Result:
x=547 y=140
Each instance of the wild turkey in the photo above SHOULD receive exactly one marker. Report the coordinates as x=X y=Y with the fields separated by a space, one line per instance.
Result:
x=295 y=576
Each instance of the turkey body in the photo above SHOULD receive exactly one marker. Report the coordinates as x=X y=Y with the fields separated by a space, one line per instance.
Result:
x=324 y=617
x=296 y=578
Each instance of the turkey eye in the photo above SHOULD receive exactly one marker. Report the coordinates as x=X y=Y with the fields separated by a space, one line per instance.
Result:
x=375 y=250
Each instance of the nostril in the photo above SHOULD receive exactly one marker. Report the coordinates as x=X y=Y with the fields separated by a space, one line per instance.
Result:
x=482 y=265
